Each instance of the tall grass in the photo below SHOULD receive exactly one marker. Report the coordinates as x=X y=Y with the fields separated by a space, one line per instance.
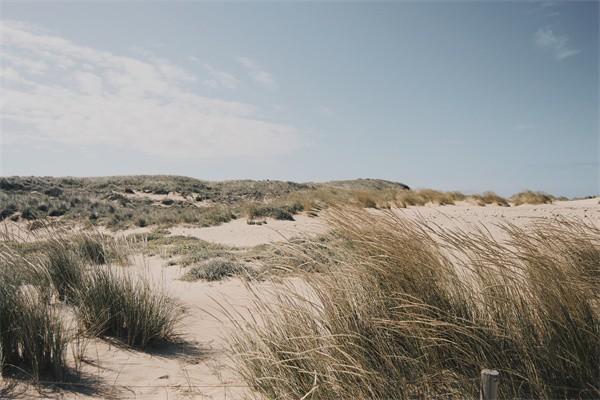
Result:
x=33 y=338
x=35 y=277
x=115 y=303
x=401 y=310
x=65 y=268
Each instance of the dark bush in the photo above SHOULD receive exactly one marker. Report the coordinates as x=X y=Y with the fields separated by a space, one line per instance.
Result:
x=57 y=212
x=9 y=210
x=141 y=222
x=6 y=184
x=54 y=192
x=29 y=214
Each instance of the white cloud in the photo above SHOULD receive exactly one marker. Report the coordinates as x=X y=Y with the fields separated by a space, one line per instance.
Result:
x=257 y=73
x=545 y=38
x=58 y=91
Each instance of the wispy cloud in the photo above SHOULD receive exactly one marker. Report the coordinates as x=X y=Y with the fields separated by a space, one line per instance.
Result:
x=546 y=39
x=221 y=78
x=218 y=78
x=54 y=90
x=257 y=73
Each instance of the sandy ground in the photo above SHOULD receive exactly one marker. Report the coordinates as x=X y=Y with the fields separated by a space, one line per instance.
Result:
x=199 y=368
x=240 y=234
x=469 y=217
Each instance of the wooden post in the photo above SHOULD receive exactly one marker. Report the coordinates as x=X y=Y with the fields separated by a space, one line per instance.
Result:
x=489 y=384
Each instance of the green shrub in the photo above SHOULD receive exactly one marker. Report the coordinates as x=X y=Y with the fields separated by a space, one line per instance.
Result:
x=54 y=192
x=7 y=211
x=275 y=212
x=141 y=222
x=29 y=214
x=57 y=212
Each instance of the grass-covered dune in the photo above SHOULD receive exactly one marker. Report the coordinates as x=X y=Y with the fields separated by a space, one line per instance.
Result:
x=126 y=201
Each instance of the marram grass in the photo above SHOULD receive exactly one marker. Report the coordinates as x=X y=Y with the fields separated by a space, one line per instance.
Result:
x=401 y=310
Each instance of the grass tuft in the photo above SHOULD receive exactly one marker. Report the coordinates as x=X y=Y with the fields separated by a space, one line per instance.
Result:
x=33 y=338
x=529 y=197
x=215 y=269
x=131 y=309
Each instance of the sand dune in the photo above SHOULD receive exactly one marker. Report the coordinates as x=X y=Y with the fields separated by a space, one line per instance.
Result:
x=200 y=367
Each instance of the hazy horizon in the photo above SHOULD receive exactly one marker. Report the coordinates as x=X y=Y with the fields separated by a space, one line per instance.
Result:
x=470 y=96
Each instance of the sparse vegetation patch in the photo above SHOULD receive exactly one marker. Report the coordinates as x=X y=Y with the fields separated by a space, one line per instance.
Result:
x=216 y=269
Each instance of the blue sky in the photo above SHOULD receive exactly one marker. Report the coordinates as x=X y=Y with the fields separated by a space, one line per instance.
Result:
x=468 y=96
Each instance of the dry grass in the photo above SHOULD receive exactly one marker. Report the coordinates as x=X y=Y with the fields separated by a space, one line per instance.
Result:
x=36 y=277
x=33 y=338
x=490 y=198
x=116 y=304
x=529 y=197
x=402 y=311
x=217 y=269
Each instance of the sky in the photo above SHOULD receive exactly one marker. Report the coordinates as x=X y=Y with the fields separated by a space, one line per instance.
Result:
x=469 y=96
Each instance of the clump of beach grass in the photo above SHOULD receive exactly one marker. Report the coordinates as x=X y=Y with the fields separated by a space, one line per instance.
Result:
x=401 y=310
x=530 y=197
x=131 y=309
x=216 y=269
x=33 y=338
x=100 y=249
x=489 y=198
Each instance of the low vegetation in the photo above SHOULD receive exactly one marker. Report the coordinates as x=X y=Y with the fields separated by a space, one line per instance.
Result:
x=401 y=311
x=490 y=198
x=141 y=201
x=181 y=250
x=81 y=271
x=529 y=197
x=282 y=211
x=217 y=269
